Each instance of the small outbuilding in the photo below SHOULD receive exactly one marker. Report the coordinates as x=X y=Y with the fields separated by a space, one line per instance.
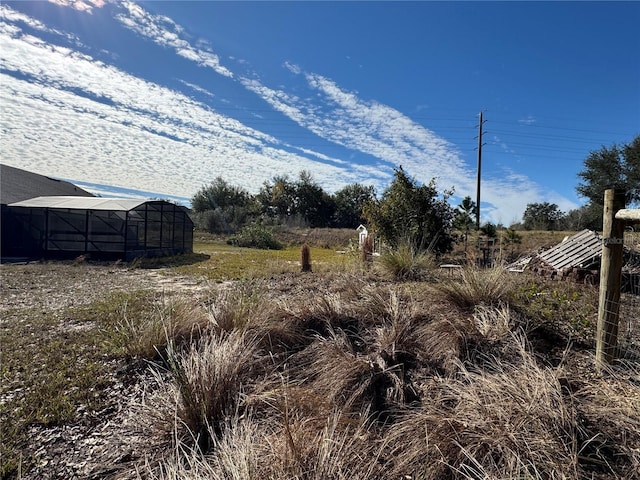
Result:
x=363 y=233
x=65 y=226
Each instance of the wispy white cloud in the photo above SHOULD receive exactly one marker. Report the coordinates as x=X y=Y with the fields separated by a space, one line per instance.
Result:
x=197 y=88
x=167 y=33
x=68 y=115
x=368 y=127
x=81 y=119
x=387 y=134
x=12 y=21
x=82 y=5
x=293 y=68
x=528 y=120
x=503 y=145
x=504 y=199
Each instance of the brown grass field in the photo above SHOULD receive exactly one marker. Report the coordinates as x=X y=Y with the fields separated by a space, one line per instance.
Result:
x=231 y=363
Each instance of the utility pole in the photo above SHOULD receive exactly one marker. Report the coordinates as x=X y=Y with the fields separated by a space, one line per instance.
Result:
x=479 y=172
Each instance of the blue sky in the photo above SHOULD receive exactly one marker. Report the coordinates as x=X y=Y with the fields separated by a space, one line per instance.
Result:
x=159 y=98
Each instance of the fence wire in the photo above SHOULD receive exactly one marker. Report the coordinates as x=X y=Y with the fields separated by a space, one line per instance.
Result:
x=629 y=320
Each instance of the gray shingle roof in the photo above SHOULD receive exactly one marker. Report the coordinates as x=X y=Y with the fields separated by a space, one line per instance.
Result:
x=17 y=185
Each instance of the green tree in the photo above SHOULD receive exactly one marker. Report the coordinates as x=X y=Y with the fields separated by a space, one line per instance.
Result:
x=588 y=216
x=219 y=194
x=314 y=205
x=277 y=197
x=612 y=167
x=490 y=230
x=222 y=208
x=302 y=201
x=541 y=216
x=464 y=217
x=349 y=204
x=511 y=237
x=413 y=214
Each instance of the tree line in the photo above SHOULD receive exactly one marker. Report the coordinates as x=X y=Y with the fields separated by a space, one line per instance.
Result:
x=224 y=208
x=406 y=211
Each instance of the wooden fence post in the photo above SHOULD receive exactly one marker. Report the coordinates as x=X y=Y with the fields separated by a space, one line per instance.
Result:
x=610 y=279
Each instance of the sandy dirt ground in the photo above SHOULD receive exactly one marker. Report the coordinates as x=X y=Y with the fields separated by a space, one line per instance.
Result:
x=98 y=445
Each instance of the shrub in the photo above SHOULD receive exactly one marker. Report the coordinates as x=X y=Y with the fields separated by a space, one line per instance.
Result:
x=411 y=211
x=255 y=236
x=565 y=309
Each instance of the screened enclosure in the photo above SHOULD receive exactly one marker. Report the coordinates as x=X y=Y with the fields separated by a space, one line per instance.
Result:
x=101 y=227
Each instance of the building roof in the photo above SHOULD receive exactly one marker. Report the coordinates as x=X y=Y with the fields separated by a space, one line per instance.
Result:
x=17 y=185
x=81 y=203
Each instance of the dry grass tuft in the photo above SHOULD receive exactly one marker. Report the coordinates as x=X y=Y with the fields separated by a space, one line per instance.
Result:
x=318 y=315
x=442 y=343
x=337 y=372
x=493 y=323
x=478 y=287
x=339 y=448
x=514 y=423
x=209 y=378
x=173 y=320
x=374 y=305
x=236 y=309
x=336 y=448
x=610 y=409
x=332 y=376
x=406 y=263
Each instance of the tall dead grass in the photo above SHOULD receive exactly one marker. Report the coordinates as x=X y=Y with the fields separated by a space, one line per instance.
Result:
x=511 y=423
x=478 y=287
x=362 y=384
x=610 y=412
x=228 y=310
x=406 y=263
x=337 y=448
x=175 y=320
x=208 y=378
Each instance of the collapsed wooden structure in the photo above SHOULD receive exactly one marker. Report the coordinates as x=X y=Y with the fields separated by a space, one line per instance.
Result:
x=579 y=258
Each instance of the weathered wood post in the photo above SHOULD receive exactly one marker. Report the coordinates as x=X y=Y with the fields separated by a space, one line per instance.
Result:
x=610 y=279
x=305 y=258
